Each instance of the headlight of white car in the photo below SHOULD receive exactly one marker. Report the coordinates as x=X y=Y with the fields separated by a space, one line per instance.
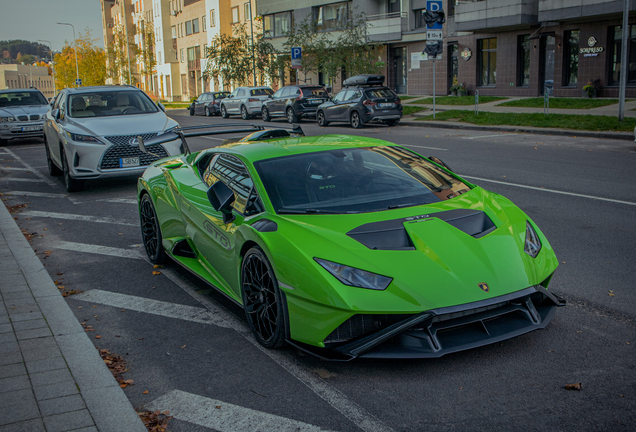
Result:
x=83 y=138
x=7 y=119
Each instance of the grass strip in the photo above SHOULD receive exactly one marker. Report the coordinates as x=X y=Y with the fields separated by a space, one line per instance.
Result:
x=561 y=121
x=565 y=103
x=458 y=100
x=408 y=97
x=412 y=109
x=176 y=105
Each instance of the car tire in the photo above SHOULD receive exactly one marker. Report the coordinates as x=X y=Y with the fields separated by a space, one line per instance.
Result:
x=151 y=231
x=262 y=299
x=191 y=111
x=244 y=114
x=392 y=122
x=54 y=170
x=265 y=115
x=291 y=116
x=72 y=185
x=355 y=120
x=207 y=111
x=320 y=118
x=224 y=113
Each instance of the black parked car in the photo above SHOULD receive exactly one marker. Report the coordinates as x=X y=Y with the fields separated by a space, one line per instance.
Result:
x=363 y=100
x=294 y=102
x=208 y=104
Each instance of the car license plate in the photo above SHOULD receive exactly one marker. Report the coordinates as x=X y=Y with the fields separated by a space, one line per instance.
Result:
x=386 y=105
x=31 y=128
x=128 y=162
x=315 y=101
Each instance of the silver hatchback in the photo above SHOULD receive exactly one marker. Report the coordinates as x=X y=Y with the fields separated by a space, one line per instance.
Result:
x=246 y=101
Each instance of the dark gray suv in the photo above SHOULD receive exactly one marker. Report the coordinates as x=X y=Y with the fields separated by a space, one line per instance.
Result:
x=363 y=100
x=294 y=102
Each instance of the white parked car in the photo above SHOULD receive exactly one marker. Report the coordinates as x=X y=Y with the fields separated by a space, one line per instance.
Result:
x=246 y=101
x=91 y=132
x=21 y=113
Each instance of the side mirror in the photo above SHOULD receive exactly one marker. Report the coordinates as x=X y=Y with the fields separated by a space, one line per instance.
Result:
x=439 y=162
x=161 y=107
x=56 y=114
x=221 y=197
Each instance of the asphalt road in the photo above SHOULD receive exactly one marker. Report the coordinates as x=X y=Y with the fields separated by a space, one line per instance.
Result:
x=191 y=350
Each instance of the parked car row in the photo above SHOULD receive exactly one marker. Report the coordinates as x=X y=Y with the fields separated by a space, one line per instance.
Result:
x=364 y=99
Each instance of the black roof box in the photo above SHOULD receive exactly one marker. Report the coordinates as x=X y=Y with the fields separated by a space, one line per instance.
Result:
x=366 y=79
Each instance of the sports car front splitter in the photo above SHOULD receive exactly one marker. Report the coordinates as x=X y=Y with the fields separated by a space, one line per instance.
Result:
x=437 y=332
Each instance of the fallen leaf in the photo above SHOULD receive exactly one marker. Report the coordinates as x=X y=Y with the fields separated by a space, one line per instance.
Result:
x=157 y=266
x=47 y=252
x=156 y=273
x=165 y=412
x=145 y=392
x=129 y=382
x=123 y=310
x=98 y=337
x=576 y=386
x=182 y=346
x=95 y=306
x=79 y=307
x=218 y=407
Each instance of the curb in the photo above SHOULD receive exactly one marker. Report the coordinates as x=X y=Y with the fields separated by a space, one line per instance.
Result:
x=105 y=400
x=516 y=129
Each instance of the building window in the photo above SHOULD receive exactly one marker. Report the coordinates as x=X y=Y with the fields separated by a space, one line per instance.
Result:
x=182 y=56
x=332 y=16
x=212 y=18
x=617 y=35
x=159 y=61
x=278 y=25
x=451 y=7
x=195 y=25
x=248 y=11
x=188 y=25
x=487 y=61
x=235 y=15
x=393 y=6
x=571 y=57
x=419 y=18
x=523 y=60
x=203 y=22
x=174 y=32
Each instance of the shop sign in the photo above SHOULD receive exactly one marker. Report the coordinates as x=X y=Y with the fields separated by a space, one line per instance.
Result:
x=592 y=50
x=466 y=54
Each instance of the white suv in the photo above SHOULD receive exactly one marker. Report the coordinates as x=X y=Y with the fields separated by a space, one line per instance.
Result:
x=91 y=132
x=246 y=101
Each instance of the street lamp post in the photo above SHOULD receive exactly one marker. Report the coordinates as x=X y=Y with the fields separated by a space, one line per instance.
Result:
x=74 y=41
x=53 y=67
x=252 y=34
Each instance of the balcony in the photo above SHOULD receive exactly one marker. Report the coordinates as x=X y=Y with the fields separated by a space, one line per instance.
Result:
x=194 y=64
x=386 y=27
x=560 y=10
x=496 y=14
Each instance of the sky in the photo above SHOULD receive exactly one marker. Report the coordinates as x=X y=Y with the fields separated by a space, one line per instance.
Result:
x=35 y=19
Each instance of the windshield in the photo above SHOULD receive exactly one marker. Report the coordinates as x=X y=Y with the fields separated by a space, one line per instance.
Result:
x=315 y=92
x=355 y=180
x=22 y=98
x=221 y=95
x=261 y=92
x=110 y=103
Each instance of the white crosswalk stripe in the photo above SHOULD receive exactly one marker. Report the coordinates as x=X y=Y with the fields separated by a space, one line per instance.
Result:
x=101 y=250
x=36 y=194
x=70 y=216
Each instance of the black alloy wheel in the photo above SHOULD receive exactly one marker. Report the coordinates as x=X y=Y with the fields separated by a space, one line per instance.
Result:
x=265 y=115
x=291 y=116
x=207 y=111
x=322 y=121
x=54 y=171
x=262 y=299
x=150 y=231
x=244 y=114
x=356 y=122
x=392 y=122
x=72 y=185
x=224 y=113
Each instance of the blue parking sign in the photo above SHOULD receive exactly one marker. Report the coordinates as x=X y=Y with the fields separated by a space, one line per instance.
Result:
x=297 y=53
x=434 y=6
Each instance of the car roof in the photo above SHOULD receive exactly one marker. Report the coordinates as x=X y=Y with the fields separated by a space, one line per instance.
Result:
x=102 y=88
x=278 y=147
x=15 y=90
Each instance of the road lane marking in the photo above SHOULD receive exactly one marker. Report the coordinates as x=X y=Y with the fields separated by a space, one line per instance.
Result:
x=424 y=147
x=485 y=136
x=120 y=200
x=31 y=169
x=36 y=194
x=359 y=416
x=154 y=307
x=97 y=249
x=68 y=216
x=551 y=190
x=14 y=169
x=22 y=179
x=223 y=416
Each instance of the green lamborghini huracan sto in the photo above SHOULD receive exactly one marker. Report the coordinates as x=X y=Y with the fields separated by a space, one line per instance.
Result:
x=348 y=246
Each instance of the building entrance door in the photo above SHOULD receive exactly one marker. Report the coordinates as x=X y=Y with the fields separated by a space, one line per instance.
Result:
x=453 y=65
x=400 y=64
x=546 y=76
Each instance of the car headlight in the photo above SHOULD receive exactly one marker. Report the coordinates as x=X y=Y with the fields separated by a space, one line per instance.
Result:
x=533 y=244
x=355 y=277
x=83 y=138
x=7 y=119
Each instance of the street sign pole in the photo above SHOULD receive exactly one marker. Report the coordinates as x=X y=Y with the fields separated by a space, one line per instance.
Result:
x=434 y=88
x=623 y=73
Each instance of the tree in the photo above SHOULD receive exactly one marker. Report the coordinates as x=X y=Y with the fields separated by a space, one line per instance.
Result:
x=230 y=57
x=91 y=61
x=118 y=57
x=27 y=59
x=146 y=56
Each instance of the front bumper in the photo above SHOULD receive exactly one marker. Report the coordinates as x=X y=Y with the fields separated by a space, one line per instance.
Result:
x=438 y=332
x=21 y=130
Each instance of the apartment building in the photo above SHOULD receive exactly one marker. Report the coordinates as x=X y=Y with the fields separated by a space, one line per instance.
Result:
x=525 y=47
x=118 y=24
x=25 y=76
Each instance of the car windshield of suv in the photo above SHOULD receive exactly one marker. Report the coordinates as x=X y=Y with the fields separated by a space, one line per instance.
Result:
x=261 y=92
x=381 y=93
x=22 y=98
x=110 y=103
x=355 y=180
x=315 y=92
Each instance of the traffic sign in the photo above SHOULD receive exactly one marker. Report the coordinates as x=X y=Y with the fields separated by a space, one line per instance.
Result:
x=296 y=55
x=78 y=82
x=434 y=6
x=434 y=35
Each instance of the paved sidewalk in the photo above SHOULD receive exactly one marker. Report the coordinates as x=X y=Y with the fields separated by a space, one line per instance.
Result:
x=51 y=376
